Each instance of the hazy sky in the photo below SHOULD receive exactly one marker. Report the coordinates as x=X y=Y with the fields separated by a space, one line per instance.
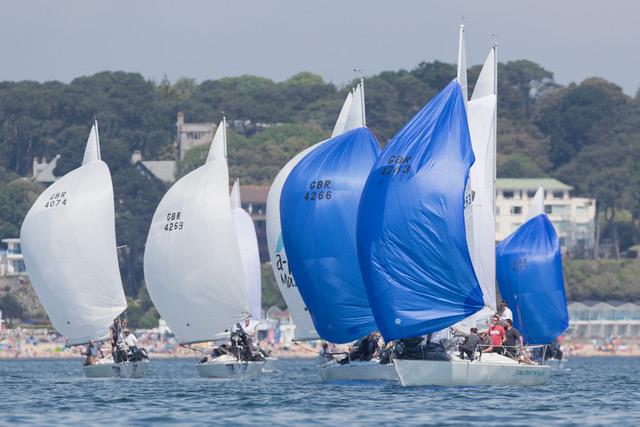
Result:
x=47 y=39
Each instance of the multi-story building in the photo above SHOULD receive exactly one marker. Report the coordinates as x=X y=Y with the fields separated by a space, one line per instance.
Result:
x=601 y=319
x=572 y=217
x=11 y=259
x=189 y=135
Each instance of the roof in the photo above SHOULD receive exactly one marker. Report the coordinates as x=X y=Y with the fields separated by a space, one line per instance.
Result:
x=531 y=184
x=254 y=193
x=46 y=174
x=198 y=127
x=164 y=170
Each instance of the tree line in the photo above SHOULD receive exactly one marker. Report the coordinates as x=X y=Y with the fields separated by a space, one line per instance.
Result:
x=586 y=134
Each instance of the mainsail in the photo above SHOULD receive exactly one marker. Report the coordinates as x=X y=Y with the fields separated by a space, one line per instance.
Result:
x=411 y=233
x=482 y=116
x=305 y=330
x=529 y=267
x=69 y=245
x=249 y=253
x=192 y=263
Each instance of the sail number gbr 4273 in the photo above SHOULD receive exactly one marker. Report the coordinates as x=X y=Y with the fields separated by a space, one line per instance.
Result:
x=173 y=223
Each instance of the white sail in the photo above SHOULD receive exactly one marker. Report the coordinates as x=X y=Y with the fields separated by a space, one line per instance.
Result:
x=482 y=115
x=69 y=245
x=356 y=117
x=462 y=64
x=338 y=129
x=279 y=262
x=192 y=264
x=537 y=204
x=249 y=253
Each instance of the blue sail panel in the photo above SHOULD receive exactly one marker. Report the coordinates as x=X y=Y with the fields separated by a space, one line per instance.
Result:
x=318 y=214
x=411 y=232
x=529 y=273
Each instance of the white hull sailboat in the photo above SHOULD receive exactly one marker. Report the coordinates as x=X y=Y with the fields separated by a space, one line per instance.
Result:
x=106 y=368
x=193 y=263
x=372 y=370
x=492 y=369
x=69 y=246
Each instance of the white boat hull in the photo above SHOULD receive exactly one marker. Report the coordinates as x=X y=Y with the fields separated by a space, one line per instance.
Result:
x=358 y=371
x=109 y=369
x=270 y=364
x=492 y=370
x=229 y=368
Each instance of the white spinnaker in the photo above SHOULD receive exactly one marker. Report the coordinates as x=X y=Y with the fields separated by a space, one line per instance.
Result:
x=192 y=264
x=284 y=278
x=482 y=116
x=537 y=204
x=69 y=246
x=249 y=253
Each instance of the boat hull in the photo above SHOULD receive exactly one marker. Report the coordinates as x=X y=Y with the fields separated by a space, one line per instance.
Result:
x=466 y=373
x=270 y=364
x=358 y=371
x=116 y=370
x=230 y=369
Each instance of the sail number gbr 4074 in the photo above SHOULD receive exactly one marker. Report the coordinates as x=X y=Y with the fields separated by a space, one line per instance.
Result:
x=319 y=190
x=174 y=223
x=56 y=199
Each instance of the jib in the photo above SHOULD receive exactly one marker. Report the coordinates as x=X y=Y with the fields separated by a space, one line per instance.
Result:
x=319 y=185
x=173 y=216
x=398 y=159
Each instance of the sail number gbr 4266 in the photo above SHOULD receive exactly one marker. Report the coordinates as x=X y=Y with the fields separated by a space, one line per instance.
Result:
x=174 y=223
x=318 y=190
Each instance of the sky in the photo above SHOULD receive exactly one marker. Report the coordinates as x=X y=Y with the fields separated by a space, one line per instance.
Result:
x=63 y=39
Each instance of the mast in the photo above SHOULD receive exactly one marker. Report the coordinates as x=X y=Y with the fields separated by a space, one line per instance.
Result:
x=462 y=64
x=364 y=116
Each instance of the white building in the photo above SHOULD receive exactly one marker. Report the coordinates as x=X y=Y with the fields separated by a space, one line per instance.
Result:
x=190 y=135
x=11 y=259
x=572 y=217
x=600 y=319
x=43 y=171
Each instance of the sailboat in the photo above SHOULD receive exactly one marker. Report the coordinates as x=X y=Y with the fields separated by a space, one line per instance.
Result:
x=250 y=256
x=193 y=264
x=69 y=246
x=304 y=330
x=413 y=244
x=529 y=265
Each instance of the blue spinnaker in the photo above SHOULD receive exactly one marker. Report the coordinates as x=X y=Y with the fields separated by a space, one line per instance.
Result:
x=411 y=233
x=318 y=214
x=529 y=272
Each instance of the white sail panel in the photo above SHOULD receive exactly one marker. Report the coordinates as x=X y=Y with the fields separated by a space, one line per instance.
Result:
x=356 y=116
x=192 y=264
x=462 y=63
x=338 y=129
x=92 y=149
x=482 y=116
x=249 y=253
x=537 y=204
x=69 y=246
x=486 y=84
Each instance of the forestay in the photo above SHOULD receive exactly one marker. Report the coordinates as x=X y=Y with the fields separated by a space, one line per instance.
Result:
x=411 y=232
x=529 y=267
x=305 y=330
x=249 y=253
x=69 y=247
x=192 y=263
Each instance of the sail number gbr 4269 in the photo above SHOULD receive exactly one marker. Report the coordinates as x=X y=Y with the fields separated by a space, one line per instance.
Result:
x=318 y=190
x=173 y=223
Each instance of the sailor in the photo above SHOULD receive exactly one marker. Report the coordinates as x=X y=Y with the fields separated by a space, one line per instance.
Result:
x=513 y=343
x=496 y=332
x=469 y=345
x=324 y=353
x=91 y=352
x=485 y=342
x=131 y=343
x=504 y=312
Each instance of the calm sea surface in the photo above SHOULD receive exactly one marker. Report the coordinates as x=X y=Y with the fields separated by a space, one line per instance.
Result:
x=584 y=391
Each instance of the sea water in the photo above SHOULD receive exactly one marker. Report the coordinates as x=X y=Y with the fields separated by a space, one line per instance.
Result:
x=581 y=391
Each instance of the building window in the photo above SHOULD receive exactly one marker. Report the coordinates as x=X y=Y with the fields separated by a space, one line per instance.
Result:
x=507 y=194
x=531 y=193
x=497 y=210
x=516 y=210
x=558 y=194
x=547 y=209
